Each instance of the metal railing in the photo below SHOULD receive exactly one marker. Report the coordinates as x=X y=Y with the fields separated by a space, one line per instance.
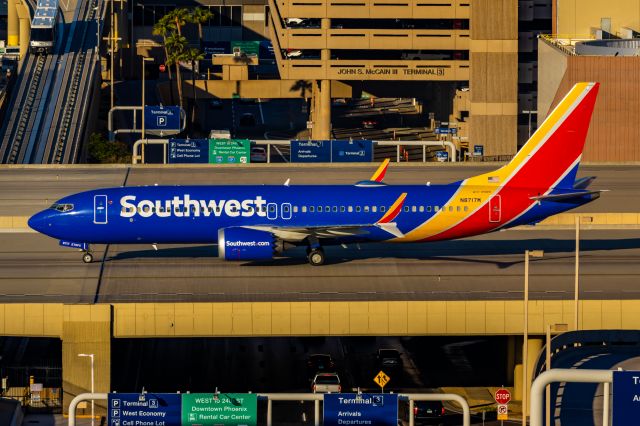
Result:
x=139 y=154
x=564 y=42
x=315 y=397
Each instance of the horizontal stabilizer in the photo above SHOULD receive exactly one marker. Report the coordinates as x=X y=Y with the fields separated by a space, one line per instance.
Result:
x=584 y=182
x=568 y=196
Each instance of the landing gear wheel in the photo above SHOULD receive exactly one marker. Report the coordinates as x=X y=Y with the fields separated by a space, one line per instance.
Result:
x=316 y=257
x=87 y=258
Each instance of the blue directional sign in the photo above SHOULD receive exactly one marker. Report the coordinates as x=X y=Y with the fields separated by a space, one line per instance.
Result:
x=351 y=408
x=352 y=151
x=442 y=156
x=310 y=151
x=478 y=150
x=188 y=151
x=130 y=409
x=626 y=398
x=162 y=119
x=446 y=130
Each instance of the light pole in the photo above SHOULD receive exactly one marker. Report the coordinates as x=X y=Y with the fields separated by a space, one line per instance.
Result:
x=577 y=279
x=557 y=328
x=93 y=417
x=143 y=99
x=525 y=343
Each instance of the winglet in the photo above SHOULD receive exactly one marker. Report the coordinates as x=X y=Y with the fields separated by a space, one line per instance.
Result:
x=378 y=176
x=394 y=210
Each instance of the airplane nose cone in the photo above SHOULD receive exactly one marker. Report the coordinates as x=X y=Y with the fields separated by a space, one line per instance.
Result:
x=37 y=222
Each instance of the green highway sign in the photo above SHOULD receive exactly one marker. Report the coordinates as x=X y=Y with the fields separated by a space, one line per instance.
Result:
x=249 y=48
x=229 y=151
x=206 y=409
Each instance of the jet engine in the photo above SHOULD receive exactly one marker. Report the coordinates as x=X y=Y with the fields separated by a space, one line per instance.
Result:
x=238 y=243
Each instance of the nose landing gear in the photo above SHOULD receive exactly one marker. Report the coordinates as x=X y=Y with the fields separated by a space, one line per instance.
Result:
x=87 y=257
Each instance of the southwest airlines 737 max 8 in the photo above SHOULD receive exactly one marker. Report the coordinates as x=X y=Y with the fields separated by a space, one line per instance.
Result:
x=257 y=222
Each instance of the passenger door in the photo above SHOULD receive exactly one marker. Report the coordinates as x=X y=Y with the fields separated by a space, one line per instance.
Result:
x=100 y=209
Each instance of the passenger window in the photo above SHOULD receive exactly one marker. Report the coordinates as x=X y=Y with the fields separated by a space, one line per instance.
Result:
x=428 y=208
x=350 y=209
x=335 y=209
x=413 y=209
x=358 y=209
x=421 y=209
x=457 y=208
x=285 y=209
x=436 y=208
x=466 y=208
x=272 y=209
x=327 y=209
x=319 y=209
x=295 y=209
x=374 y=209
x=383 y=209
x=342 y=209
x=312 y=209
x=304 y=209
x=450 y=208
x=406 y=208
x=366 y=209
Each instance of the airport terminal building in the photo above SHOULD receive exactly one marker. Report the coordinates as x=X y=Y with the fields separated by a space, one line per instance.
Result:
x=427 y=49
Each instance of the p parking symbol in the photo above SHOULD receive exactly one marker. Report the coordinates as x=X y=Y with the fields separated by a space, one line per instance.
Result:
x=162 y=121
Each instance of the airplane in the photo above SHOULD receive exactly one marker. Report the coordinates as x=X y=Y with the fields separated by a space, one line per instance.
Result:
x=259 y=222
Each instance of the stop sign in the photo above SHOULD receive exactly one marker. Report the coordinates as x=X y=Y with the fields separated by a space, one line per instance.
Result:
x=503 y=396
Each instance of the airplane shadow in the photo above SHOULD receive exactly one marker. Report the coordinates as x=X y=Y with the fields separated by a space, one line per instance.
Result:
x=460 y=250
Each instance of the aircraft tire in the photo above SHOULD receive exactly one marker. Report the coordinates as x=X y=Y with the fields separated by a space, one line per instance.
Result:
x=316 y=257
x=87 y=258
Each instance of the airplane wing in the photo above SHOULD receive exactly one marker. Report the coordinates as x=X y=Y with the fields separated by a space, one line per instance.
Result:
x=299 y=233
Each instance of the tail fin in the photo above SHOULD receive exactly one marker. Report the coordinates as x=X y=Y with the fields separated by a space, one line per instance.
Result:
x=551 y=157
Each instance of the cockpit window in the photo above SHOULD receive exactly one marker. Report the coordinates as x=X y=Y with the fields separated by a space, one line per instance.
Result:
x=62 y=207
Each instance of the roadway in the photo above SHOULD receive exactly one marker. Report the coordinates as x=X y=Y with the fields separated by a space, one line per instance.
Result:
x=33 y=268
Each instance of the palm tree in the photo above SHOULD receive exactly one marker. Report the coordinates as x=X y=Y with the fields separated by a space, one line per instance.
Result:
x=164 y=27
x=193 y=55
x=179 y=17
x=199 y=16
x=176 y=46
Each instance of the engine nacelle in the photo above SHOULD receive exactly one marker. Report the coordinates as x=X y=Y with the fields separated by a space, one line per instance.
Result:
x=237 y=243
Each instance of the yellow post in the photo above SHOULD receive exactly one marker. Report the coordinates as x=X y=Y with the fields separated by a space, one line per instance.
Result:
x=12 y=24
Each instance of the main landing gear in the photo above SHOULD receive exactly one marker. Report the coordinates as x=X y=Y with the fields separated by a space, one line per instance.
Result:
x=315 y=256
x=315 y=253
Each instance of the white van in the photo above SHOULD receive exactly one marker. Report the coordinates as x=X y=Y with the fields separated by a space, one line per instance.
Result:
x=220 y=134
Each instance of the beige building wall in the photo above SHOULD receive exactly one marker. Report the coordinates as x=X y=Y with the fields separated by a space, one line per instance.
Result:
x=576 y=17
x=494 y=76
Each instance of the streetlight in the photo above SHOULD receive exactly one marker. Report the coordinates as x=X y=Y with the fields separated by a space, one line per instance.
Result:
x=143 y=99
x=93 y=417
x=556 y=328
x=525 y=344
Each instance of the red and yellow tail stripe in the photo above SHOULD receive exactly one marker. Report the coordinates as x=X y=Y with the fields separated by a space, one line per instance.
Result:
x=394 y=210
x=550 y=152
